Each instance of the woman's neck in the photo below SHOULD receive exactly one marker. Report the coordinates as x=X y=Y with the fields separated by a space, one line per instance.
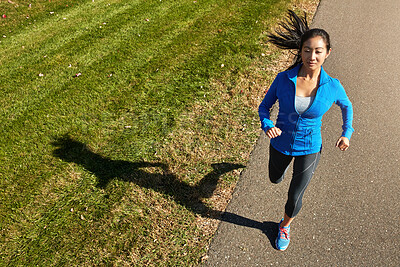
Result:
x=308 y=74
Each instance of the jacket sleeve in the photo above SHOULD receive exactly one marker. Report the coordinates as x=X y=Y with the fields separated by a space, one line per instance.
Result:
x=347 y=111
x=266 y=105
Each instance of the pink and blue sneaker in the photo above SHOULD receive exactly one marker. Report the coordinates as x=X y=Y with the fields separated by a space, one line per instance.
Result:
x=283 y=239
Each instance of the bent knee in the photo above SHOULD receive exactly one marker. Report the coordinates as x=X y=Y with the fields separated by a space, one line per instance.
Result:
x=275 y=180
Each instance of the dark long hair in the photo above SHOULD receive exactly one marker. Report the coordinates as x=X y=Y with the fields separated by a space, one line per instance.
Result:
x=293 y=33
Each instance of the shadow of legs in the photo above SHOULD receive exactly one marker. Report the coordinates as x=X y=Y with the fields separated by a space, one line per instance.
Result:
x=161 y=180
x=106 y=169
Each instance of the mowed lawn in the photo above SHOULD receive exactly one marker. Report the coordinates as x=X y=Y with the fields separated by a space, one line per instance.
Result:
x=119 y=120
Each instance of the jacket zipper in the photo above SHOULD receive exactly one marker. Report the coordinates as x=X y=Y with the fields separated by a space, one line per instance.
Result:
x=294 y=134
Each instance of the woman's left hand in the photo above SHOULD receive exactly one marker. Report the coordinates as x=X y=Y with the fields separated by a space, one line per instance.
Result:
x=343 y=143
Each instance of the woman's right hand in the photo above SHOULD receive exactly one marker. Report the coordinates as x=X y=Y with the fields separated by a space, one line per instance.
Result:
x=273 y=132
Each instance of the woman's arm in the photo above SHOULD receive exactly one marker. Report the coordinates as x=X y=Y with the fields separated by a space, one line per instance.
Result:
x=266 y=105
x=346 y=107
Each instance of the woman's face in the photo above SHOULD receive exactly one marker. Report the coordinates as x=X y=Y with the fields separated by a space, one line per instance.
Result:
x=314 y=53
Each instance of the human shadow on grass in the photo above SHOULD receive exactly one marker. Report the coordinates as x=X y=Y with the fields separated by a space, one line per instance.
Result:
x=161 y=180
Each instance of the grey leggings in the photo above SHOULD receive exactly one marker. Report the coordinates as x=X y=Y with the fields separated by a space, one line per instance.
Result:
x=303 y=170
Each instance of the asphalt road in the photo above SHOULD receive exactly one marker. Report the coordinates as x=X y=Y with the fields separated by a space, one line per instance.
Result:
x=350 y=214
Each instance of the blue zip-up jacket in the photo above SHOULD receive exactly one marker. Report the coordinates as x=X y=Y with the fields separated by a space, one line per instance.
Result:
x=301 y=134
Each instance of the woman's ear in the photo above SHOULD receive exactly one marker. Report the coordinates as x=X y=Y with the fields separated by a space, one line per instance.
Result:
x=329 y=52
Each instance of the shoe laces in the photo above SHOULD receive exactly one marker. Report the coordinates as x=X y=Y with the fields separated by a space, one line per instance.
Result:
x=284 y=233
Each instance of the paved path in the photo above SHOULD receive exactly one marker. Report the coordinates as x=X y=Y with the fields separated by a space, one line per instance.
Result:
x=350 y=214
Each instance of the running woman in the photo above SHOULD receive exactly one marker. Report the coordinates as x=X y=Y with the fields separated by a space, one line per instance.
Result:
x=305 y=92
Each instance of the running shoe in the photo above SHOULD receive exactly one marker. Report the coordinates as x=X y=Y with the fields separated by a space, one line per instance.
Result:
x=283 y=239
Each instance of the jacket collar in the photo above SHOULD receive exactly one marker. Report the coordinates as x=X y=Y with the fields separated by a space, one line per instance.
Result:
x=292 y=74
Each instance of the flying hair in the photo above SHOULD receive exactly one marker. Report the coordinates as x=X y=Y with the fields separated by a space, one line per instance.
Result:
x=289 y=36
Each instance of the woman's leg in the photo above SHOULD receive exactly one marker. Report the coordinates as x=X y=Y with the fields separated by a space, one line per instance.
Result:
x=278 y=164
x=286 y=220
x=303 y=170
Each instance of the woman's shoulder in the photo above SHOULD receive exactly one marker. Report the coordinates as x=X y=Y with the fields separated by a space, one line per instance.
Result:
x=284 y=74
x=332 y=81
x=337 y=84
x=281 y=74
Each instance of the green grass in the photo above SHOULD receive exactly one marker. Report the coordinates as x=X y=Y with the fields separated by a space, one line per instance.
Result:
x=105 y=167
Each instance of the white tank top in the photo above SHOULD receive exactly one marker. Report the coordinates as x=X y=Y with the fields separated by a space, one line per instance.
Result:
x=302 y=103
